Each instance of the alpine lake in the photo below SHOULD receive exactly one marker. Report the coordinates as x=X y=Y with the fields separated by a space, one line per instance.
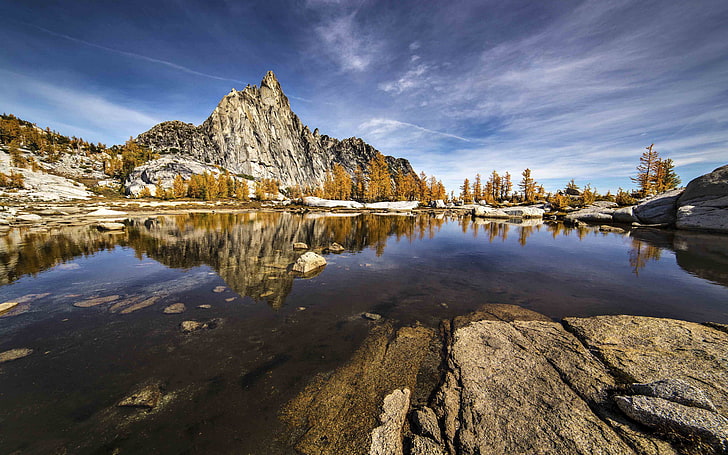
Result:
x=90 y=306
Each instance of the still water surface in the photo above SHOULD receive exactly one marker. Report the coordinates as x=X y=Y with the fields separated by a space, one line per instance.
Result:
x=225 y=387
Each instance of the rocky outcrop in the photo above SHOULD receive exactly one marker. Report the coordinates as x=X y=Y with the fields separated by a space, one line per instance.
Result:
x=255 y=133
x=704 y=204
x=40 y=186
x=163 y=171
x=514 y=381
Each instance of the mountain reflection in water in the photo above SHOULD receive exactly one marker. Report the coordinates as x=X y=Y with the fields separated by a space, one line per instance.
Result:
x=253 y=251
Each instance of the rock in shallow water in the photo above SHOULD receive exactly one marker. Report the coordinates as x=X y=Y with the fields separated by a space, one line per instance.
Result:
x=146 y=397
x=308 y=262
x=175 y=308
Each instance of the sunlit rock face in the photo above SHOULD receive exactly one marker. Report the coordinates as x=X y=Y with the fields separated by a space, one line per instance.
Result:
x=254 y=132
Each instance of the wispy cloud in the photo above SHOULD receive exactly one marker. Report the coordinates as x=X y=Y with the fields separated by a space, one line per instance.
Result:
x=86 y=114
x=134 y=55
x=379 y=127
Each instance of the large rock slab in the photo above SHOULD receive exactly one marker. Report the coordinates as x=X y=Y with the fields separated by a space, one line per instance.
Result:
x=704 y=204
x=644 y=349
x=661 y=209
x=502 y=395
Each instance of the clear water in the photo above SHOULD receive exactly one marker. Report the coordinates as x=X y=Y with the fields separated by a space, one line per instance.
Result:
x=225 y=387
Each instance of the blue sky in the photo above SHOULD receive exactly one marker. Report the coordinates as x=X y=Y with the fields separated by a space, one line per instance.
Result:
x=571 y=89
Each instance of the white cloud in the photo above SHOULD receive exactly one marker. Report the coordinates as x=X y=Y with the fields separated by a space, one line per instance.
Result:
x=414 y=78
x=351 y=47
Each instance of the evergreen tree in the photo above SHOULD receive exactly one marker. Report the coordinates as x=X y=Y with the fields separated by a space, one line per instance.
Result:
x=646 y=171
x=477 y=189
x=528 y=186
x=465 y=193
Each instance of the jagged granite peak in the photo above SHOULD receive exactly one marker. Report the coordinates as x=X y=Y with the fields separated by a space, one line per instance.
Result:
x=254 y=132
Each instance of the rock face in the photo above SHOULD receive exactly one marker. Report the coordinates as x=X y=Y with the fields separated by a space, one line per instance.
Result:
x=704 y=204
x=254 y=132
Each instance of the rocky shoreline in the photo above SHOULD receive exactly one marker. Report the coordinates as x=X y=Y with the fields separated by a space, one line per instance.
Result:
x=508 y=380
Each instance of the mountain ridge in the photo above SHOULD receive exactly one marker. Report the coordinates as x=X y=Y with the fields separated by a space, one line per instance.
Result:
x=254 y=132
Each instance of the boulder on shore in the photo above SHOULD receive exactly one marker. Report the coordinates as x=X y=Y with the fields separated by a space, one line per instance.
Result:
x=660 y=209
x=489 y=212
x=704 y=203
x=591 y=214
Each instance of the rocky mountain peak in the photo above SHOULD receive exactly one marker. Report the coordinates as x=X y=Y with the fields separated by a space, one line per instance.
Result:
x=254 y=132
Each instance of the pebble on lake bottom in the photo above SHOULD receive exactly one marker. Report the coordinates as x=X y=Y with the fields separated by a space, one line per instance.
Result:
x=219 y=289
x=14 y=354
x=175 y=308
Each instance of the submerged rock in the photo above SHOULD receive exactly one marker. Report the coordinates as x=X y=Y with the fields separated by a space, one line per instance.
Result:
x=195 y=326
x=14 y=354
x=7 y=306
x=372 y=316
x=96 y=301
x=336 y=413
x=308 y=262
x=175 y=308
x=146 y=397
